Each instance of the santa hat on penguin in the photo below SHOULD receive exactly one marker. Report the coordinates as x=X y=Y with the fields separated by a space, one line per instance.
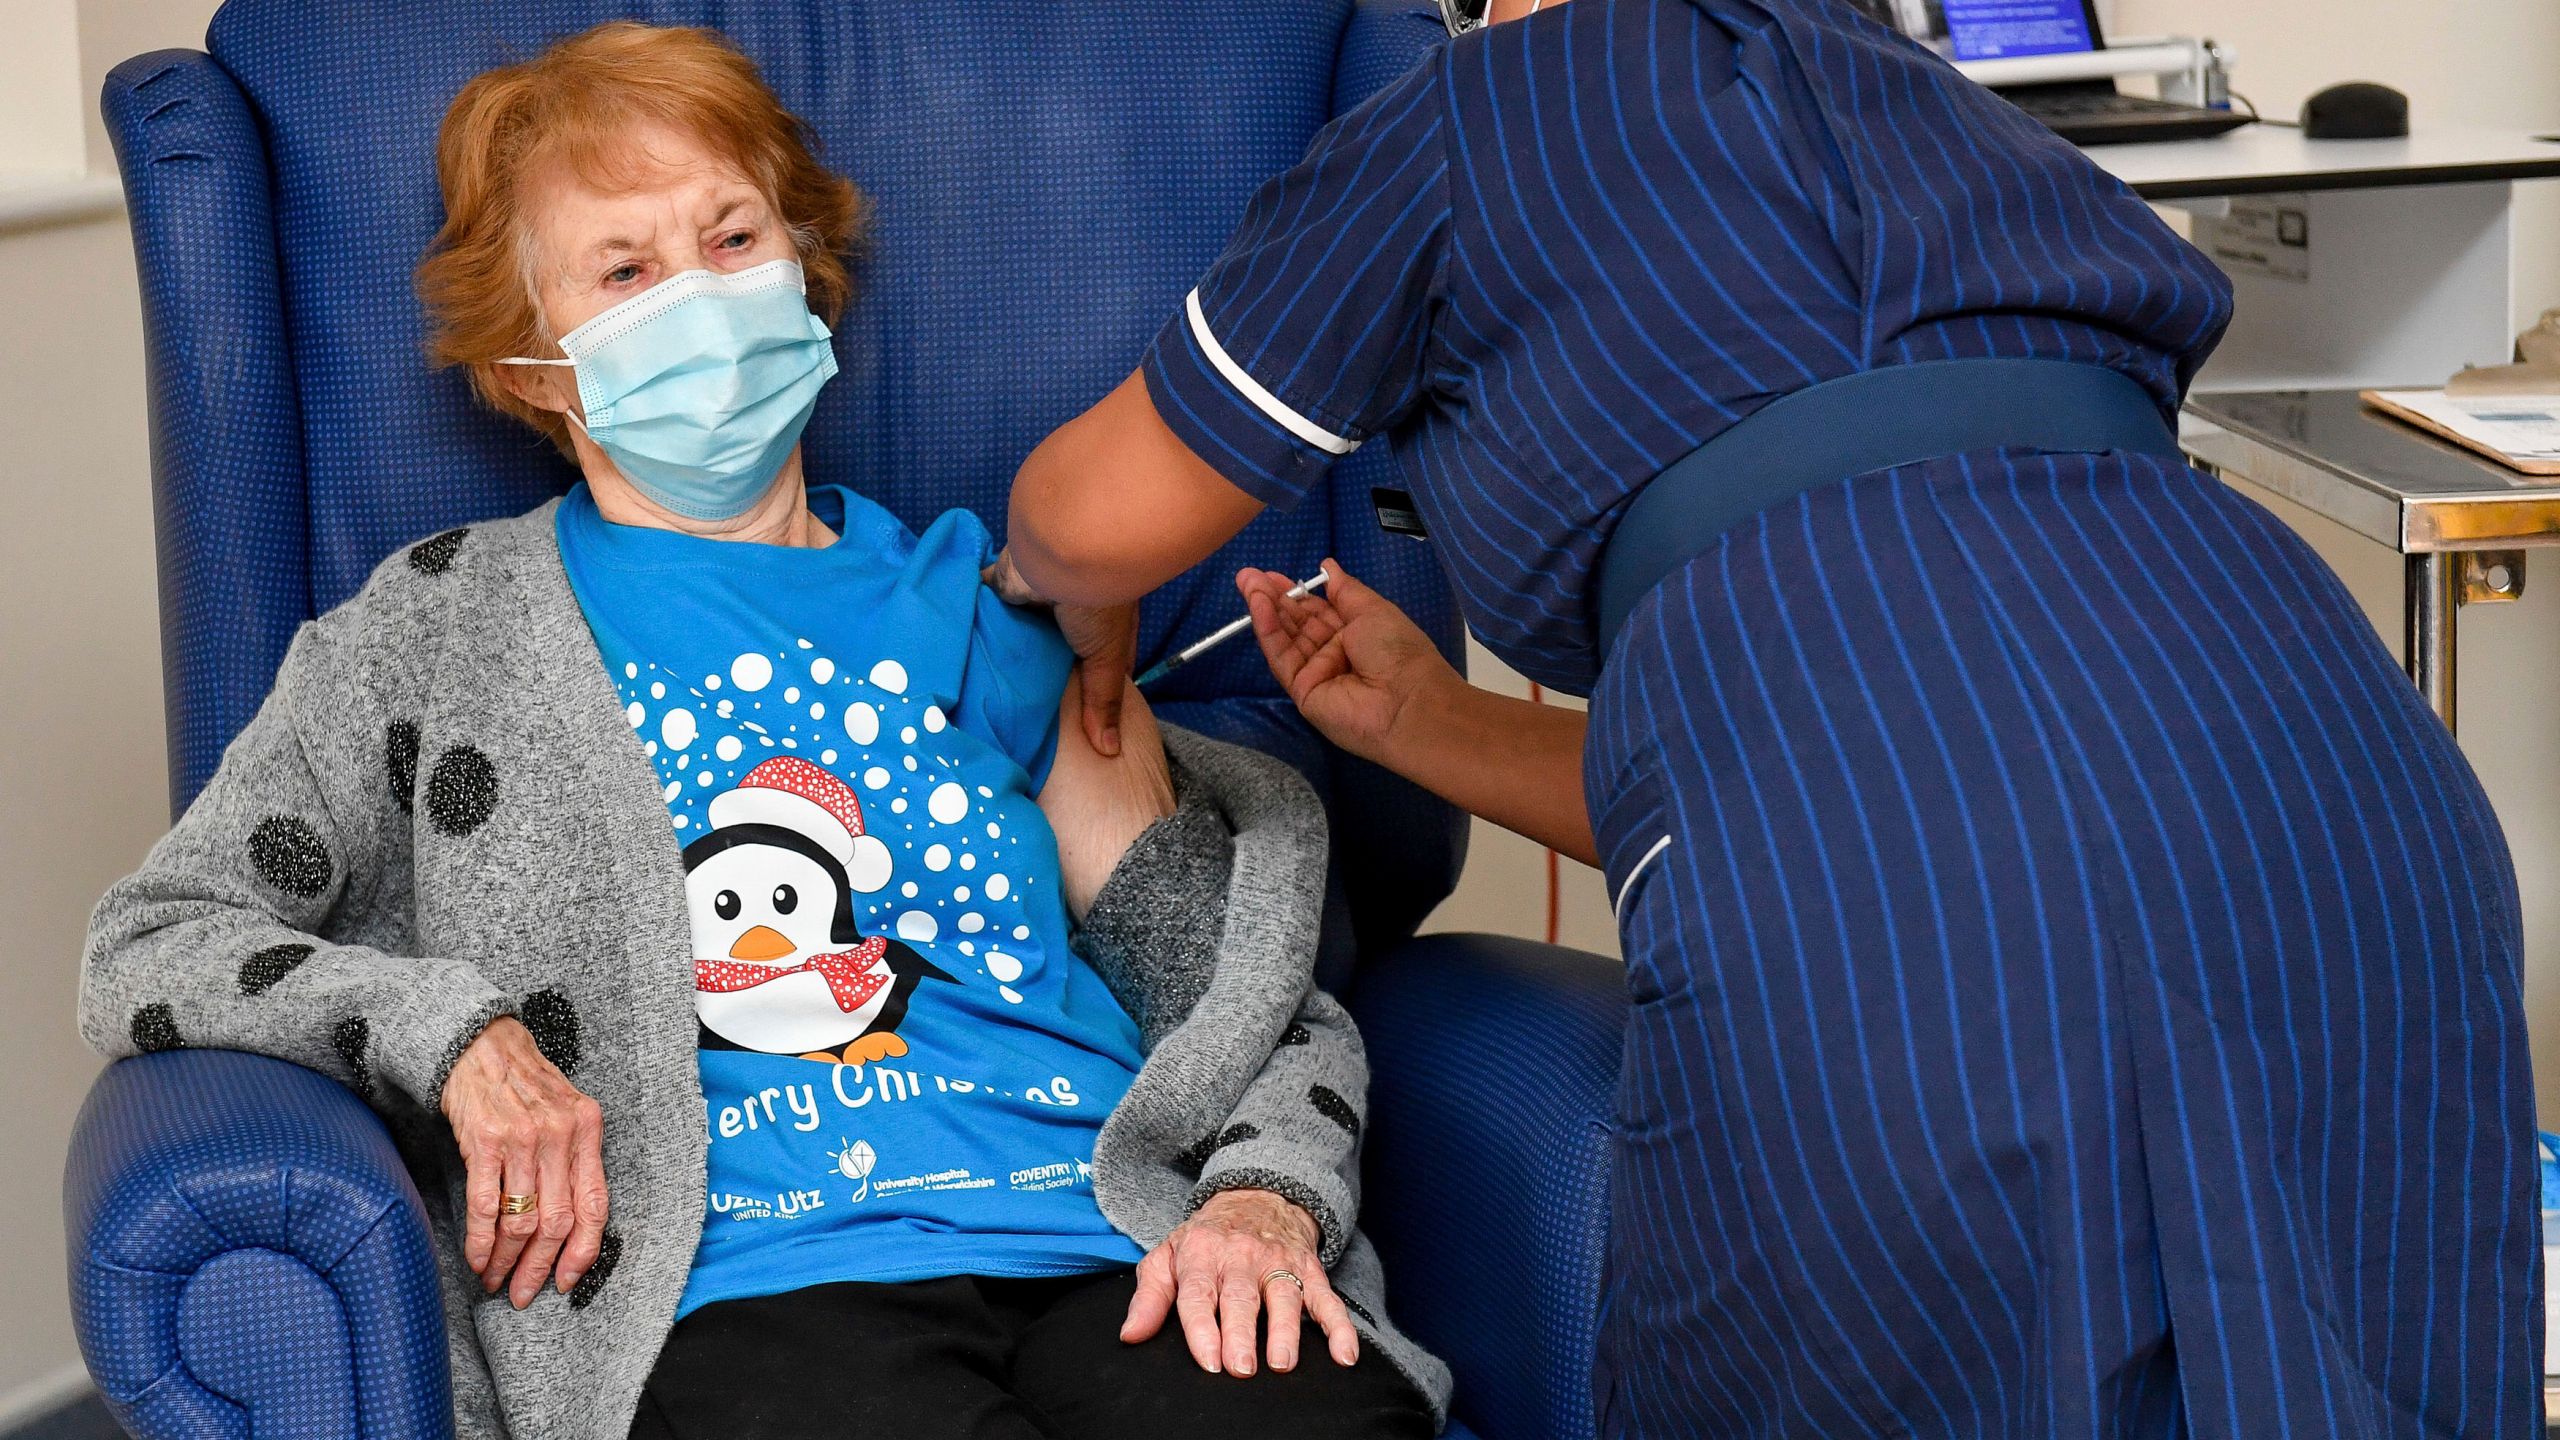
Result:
x=808 y=800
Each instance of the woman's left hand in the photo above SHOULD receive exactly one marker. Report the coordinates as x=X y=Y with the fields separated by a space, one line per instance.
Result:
x=1217 y=1271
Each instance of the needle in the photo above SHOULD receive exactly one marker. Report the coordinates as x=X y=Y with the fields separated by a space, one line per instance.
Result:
x=1223 y=634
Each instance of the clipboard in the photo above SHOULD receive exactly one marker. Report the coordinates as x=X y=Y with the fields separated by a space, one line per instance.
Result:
x=2521 y=432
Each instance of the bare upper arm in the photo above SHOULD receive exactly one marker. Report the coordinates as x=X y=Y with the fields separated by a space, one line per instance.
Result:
x=1113 y=504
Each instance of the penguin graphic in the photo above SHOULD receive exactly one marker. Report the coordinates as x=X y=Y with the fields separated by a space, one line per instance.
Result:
x=779 y=965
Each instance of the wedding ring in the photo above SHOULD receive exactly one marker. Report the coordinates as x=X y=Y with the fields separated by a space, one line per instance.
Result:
x=1289 y=1275
x=523 y=1205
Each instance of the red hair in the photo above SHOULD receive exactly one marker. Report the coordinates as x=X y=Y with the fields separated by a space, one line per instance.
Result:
x=574 y=104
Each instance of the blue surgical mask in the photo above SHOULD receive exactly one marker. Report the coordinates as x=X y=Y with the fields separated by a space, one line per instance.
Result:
x=699 y=386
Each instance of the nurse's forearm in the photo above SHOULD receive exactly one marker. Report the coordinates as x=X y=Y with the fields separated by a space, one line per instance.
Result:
x=1514 y=762
x=1113 y=504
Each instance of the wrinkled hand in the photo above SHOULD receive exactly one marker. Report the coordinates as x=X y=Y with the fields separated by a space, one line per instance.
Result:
x=1104 y=638
x=1210 y=1272
x=1099 y=804
x=1353 y=663
x=524 y=1129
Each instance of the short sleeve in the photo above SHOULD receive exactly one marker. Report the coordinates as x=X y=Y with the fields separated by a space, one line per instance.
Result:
x=1012 y=664
x=1018 y=664
x=1309 y=335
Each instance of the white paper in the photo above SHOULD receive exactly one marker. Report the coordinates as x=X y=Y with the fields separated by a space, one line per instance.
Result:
x=2524 y=427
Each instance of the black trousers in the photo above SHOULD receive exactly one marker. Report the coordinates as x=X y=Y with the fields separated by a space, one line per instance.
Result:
x=974 y=1358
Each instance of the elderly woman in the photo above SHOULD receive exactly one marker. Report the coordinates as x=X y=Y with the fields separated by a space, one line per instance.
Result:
x=665 y=865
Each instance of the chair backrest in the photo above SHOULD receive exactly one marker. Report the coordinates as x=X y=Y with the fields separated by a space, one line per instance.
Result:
x=1047 y=180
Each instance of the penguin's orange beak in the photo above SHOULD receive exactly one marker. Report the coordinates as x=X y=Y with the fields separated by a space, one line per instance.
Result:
x=762 y=943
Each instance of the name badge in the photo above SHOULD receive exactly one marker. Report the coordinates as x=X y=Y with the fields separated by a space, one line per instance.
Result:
x=1396 y=514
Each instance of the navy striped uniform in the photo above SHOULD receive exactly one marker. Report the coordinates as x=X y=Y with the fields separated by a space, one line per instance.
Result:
x=2076 y=983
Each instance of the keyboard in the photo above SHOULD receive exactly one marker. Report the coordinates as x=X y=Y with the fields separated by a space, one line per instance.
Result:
x=2096 y=113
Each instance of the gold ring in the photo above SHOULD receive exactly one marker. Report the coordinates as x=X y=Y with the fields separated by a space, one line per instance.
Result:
x=1289 y=1275
x=518 y=1204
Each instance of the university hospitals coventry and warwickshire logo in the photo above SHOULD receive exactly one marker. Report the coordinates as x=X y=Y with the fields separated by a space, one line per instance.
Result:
x=854 y=1163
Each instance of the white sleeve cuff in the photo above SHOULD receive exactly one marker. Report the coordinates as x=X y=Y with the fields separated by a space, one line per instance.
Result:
x=1251 y=389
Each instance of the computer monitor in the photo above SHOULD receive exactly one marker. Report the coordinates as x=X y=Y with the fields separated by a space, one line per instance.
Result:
x=1989 y=29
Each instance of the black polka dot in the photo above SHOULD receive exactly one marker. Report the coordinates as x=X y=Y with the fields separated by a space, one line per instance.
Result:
x=400 y=756
x=288 y=855
x=154 y=1028
x=434 y=555
x=608 y=1253
x=351 y=1038
x=462 y=790
x=270 y=965
x=554 y=1023
x=1296 y=1035
x=1194 y=1157
x=1334 y=1108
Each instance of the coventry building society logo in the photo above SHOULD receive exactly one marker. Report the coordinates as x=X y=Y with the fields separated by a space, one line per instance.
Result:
x=1052 y=1176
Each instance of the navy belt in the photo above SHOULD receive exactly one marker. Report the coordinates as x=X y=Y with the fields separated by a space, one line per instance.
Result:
x=1857 y=425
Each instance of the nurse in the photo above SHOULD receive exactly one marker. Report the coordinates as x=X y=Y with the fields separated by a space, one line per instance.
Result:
x=2075 y=982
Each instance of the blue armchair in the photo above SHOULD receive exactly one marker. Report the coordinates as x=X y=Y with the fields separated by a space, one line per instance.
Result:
x=247 y=1254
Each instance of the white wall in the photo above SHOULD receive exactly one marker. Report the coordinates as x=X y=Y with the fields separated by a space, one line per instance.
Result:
x=41 y=132
x=83 y=785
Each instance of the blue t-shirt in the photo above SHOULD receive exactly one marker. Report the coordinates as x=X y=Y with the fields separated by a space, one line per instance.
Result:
x=903 y=1064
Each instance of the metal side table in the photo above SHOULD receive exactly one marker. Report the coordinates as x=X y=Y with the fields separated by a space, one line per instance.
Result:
x=2462 y=523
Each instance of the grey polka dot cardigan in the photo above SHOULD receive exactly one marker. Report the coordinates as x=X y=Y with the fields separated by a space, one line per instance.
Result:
x=440 y=816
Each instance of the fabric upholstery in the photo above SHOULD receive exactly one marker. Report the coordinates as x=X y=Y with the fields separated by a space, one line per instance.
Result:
x=1494 y=1066
x=247 y=1255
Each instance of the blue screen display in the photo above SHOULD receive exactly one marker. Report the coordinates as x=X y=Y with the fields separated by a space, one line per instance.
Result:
x=1983 y=29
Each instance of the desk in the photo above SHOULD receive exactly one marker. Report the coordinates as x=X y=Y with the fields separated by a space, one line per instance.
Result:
x=2410 y=253
x=2409 y=278
x=2461 y=523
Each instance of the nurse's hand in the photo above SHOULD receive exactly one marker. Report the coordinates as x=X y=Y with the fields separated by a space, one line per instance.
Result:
x=1366 y=676
x=1098 y=804
x=1104 y=638
x=1215 y=1272
x=1355 y=664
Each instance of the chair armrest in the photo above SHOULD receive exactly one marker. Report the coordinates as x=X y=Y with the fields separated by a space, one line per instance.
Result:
x=1493 y=1064
x=248 y=1255
x=226 y=423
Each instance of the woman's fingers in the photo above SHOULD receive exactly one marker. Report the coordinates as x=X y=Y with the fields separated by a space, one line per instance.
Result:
x=520 y=1174
x=1239 y=1309
x=1284 y=1302
x=1195 y=1278
x=1154 y=1299
x=1342 y=1341
x=556 y=1210
x=484 y=1171
x=592 y=1202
